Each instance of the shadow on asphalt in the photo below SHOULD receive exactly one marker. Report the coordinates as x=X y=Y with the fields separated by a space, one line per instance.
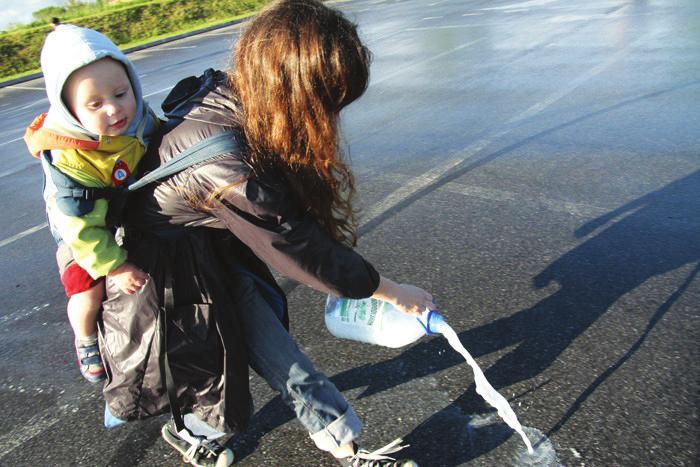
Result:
x=650 y=236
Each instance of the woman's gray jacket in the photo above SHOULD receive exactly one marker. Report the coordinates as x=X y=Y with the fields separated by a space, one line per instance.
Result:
x=252 y=221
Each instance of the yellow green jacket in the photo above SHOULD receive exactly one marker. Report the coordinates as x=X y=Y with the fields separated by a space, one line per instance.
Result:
x=82 y=224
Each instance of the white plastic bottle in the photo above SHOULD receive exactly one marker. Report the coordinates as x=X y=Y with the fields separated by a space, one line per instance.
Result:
x=377 y=322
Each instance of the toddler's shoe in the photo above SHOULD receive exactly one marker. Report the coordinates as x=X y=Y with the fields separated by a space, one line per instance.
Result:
x=89 y=359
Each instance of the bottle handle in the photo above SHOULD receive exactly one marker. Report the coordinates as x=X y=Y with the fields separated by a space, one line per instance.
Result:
x=426 y=325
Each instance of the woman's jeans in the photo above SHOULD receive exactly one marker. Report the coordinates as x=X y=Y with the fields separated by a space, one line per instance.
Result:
x=275 y=356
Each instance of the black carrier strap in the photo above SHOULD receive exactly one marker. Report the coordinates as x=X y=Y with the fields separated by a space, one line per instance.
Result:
x=208 y=148
x=77 y=200
x=167 y=374
x=91 y=194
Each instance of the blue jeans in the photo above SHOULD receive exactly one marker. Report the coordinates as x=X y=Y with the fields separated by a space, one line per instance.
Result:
x=275 y=356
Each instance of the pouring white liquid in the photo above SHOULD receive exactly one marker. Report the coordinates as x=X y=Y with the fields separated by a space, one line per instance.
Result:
x=483 y=387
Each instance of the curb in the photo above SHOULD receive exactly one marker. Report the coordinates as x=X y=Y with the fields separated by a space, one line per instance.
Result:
x=147 y=45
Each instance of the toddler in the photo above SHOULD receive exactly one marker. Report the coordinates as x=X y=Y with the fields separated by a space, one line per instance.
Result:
x=89 y=144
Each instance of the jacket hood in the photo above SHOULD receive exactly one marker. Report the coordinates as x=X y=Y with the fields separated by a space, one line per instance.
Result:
x=207 y=98
x=65 y=50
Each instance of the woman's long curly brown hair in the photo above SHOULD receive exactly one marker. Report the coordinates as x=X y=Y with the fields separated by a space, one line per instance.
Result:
x=297 y=65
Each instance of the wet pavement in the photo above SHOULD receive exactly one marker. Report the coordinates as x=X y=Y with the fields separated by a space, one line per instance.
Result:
x=534 y=164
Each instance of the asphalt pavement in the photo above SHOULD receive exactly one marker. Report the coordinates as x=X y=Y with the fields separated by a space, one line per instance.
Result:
x=534 y=164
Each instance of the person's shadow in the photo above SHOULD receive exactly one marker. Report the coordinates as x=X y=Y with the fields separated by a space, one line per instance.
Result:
x=649 y=236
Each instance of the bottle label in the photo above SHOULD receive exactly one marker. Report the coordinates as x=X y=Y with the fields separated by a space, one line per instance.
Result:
x=361 y=312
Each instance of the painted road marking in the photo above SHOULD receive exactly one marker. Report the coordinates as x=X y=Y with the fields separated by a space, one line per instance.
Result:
x=158 y=92
x=29 y=88
x=403 y=69
x=11 y=141
x=20 y=235
x=520 y=5
x=582 y=210
x=423 y=181
x=22 y=314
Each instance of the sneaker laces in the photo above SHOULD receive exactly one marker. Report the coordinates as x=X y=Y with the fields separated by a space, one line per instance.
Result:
x=202 y=447
x=377 y=455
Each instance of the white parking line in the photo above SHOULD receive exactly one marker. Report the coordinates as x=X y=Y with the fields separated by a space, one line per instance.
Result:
x=11 y=141
x=27 y=106
x=540 y=106
x=161 y=49
x=403 y=69
x=459 y=26
x=416 y=184
x=23 y=313
x=585 y=211
x=29 y=88
x=34 y=426
x=20 y=235
x=225 y=33
x=528 y=4
x=181 y=47
x=158 y=92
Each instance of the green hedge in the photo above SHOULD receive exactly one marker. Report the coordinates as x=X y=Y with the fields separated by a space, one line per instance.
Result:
x=20 y=50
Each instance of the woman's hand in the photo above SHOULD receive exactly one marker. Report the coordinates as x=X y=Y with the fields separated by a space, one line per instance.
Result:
x=406 y=298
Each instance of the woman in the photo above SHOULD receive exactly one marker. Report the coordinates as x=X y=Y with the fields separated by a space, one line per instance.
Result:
x=285 y=195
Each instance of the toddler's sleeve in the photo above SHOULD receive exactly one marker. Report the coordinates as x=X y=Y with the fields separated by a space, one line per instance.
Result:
x=91 y=242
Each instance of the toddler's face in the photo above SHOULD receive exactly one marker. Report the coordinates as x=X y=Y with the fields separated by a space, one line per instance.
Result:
x=100 y=96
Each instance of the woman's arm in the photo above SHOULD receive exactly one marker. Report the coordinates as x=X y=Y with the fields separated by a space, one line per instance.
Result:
x=262 y=214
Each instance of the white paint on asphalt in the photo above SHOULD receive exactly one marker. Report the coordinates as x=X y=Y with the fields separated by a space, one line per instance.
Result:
x=11 y=141
x=66 y=405
x=587 y=76
x=181 y=47
x=33 y=427
x=421 y=182
x=574 y=18
x=528 y=4
x=403 y=69
x=225 y=33
x=459 y=26
x=23 y=234
x=44 y=100
x=17 y=169
x=29 y=88
x=581 y=210
x=159 y=92
x=164 y=49
x=18 y=315
x=5 y=133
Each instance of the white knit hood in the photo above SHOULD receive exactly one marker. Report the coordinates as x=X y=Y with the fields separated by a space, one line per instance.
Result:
x=71 y=47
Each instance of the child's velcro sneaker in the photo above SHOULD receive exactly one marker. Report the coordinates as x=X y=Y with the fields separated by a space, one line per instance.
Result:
x=90 y=361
